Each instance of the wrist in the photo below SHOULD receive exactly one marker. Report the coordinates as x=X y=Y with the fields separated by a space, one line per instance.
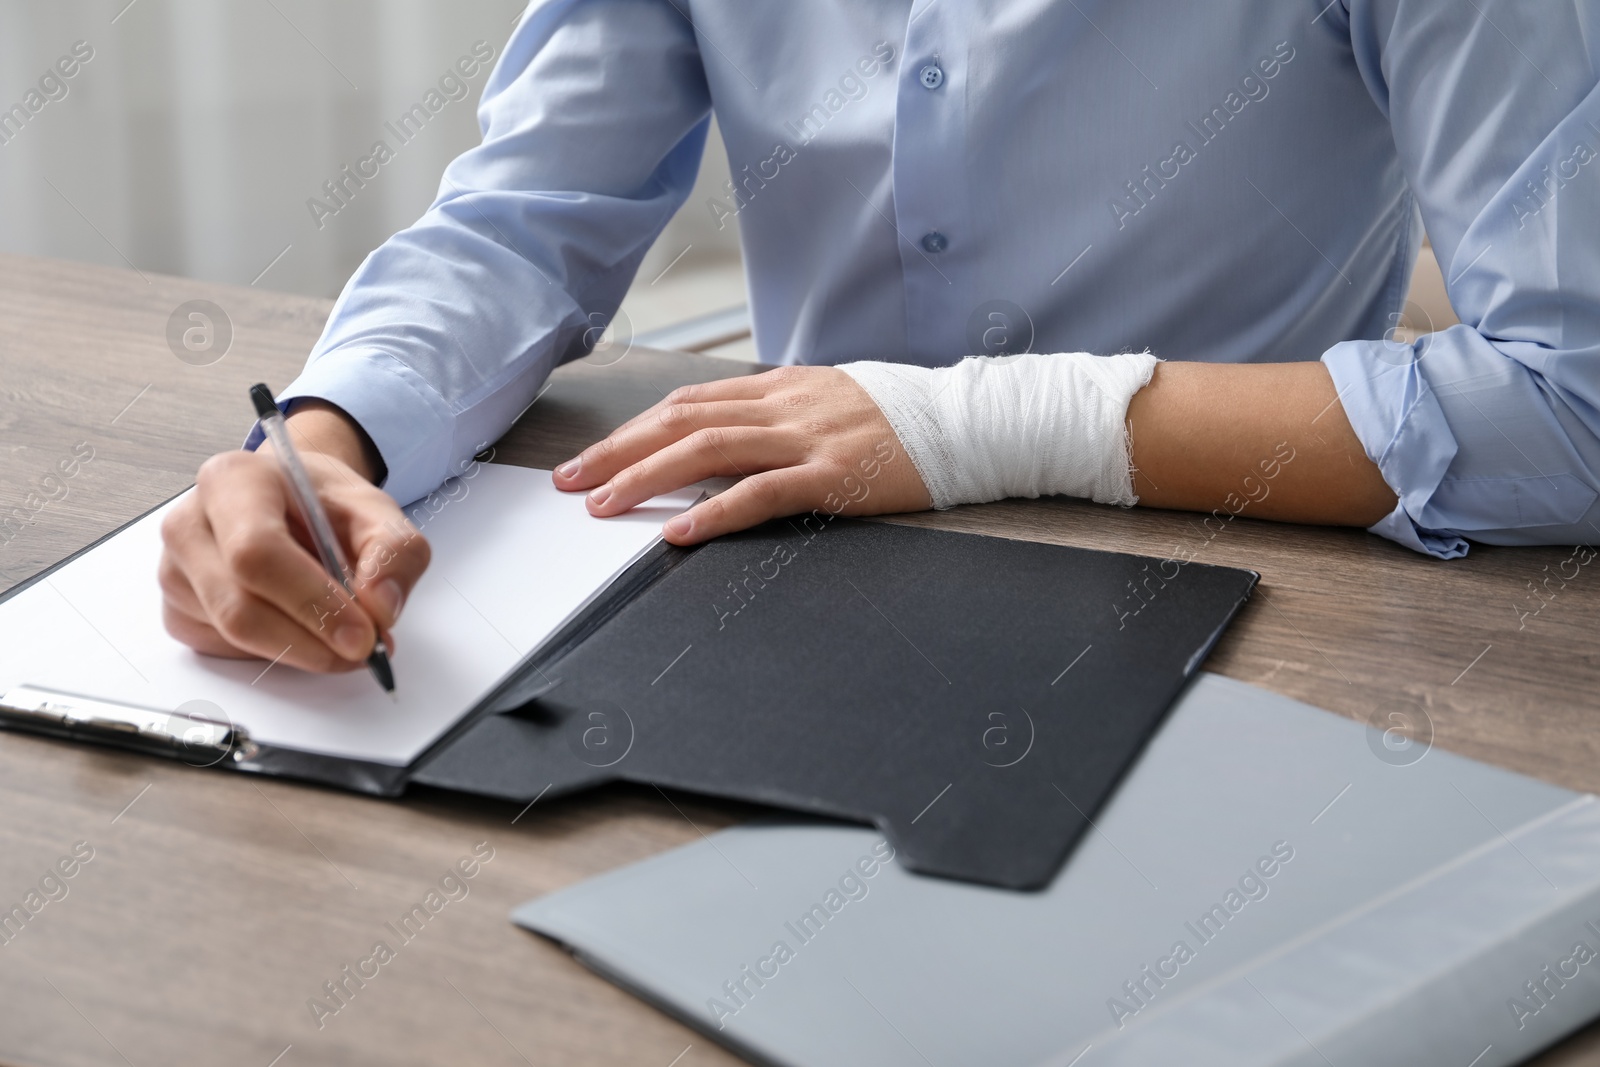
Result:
x=1023 y=426
x=318 y=426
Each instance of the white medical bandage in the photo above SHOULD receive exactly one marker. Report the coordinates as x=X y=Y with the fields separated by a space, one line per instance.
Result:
x=1029 y=425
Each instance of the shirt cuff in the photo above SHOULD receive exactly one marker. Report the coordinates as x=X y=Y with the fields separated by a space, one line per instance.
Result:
x=1403 y=430
x=408 y=421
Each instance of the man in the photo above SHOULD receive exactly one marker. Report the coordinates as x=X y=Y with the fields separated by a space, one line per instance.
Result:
x=1235 y=187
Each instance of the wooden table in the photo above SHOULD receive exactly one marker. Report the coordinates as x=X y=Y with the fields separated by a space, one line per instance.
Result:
x=216 y=905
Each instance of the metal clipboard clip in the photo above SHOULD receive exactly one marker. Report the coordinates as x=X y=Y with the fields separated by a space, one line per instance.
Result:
x=195 y=739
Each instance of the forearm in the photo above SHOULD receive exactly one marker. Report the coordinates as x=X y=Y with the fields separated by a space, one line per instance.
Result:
x=1199 y=430
x=318 y=426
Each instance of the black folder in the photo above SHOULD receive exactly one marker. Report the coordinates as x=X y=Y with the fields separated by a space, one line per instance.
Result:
x=976 y=698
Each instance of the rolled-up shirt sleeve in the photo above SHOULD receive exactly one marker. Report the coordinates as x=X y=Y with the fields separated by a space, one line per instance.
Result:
x=1488 y=430
x=594 y=122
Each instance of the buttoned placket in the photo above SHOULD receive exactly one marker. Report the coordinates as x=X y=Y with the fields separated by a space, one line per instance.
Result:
x=930 y=185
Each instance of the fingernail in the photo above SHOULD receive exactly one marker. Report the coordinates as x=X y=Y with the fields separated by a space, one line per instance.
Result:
x=569 y=469
x=390 y=596
x=350 y=640
x=679 y=525
x=600 y=496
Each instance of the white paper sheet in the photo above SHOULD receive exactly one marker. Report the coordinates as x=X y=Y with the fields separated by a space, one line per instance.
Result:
x=513 y=558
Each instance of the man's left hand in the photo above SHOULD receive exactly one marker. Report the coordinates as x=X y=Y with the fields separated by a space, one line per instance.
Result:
x=801 y=438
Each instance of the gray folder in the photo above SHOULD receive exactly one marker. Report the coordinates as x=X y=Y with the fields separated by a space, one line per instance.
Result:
x=1272 y=884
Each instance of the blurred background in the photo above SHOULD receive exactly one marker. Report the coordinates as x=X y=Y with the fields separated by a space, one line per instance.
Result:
x=193 y=139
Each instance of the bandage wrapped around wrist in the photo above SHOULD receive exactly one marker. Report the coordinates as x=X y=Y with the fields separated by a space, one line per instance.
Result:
x=1014 y=426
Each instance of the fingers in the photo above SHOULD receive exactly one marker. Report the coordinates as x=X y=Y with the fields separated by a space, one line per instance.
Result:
x=755 y=500
x=258 y=562
x=199 y=635
x=650 y=432
x=210 y=611
x=239 y=580
x=176 y=591
x=390 y=555
x=703 y=454
x=801 y=437
x=744 y=387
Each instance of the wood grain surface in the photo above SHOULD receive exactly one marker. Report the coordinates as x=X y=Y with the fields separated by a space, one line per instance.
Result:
x=215 y=905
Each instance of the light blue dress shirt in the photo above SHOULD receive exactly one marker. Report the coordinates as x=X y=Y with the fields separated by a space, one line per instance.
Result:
x=919 y=180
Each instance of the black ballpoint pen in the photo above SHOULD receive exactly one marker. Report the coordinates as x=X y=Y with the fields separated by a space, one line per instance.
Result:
x=316 y=519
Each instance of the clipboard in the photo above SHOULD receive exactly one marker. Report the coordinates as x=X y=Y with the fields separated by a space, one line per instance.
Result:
x=976 y=698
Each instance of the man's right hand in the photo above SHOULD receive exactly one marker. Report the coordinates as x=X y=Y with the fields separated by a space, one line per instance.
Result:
x=239 y=576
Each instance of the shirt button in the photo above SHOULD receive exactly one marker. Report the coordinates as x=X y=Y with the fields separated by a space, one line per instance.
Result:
x=932 y=77
x=934 y=242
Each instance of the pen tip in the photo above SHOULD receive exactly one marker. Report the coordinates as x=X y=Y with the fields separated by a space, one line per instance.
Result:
x=378 y=662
